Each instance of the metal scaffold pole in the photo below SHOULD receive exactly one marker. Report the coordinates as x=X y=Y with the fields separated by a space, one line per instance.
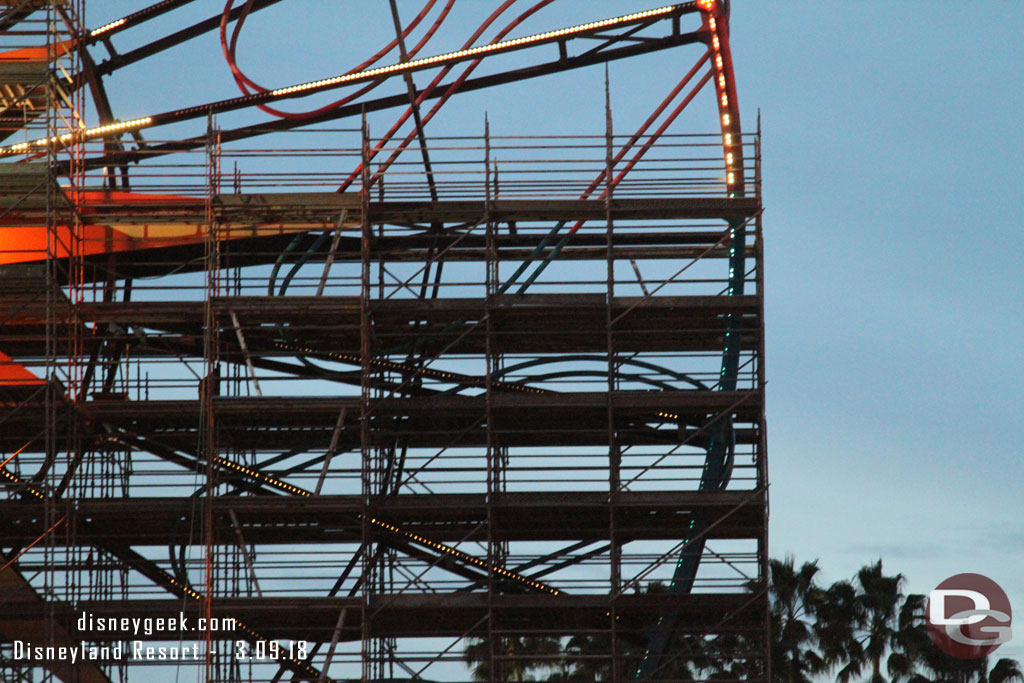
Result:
x=411 y=406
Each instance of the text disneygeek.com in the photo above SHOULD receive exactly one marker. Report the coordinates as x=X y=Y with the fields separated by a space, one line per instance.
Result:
x=129 y=645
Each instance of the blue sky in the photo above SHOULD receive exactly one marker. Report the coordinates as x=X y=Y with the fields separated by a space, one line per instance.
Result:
x=891 y=142
x=892 y=159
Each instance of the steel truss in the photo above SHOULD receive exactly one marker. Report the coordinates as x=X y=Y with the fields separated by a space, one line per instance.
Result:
x=438 y=416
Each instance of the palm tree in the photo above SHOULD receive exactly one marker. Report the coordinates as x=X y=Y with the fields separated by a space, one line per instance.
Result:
x=855 y=625
x=919 y=649
x=881 y=597
x=947 y=669
x=858 y=624
x=728 y=657
x=863 y=622
x=518 y=658
x=912 y=645
x=1006 y=670
x=587 y=660
x=794 y=600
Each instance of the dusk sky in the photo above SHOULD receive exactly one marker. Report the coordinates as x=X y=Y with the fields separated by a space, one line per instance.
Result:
x=893 y=154
x=892 y=135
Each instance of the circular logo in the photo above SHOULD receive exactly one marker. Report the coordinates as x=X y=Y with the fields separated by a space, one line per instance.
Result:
x=968 y=616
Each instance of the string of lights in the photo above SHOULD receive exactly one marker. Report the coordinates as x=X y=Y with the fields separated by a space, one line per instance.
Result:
x=302 y=89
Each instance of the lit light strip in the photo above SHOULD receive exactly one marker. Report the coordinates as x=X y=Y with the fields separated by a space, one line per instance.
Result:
x=723 y=96
x=17 y=480
x=259 y=476
x=369 y=74
x=184 y=589
x=188 y=591
x=501 y=571
x=472 y=52
x=107 y=27
x=83 y=134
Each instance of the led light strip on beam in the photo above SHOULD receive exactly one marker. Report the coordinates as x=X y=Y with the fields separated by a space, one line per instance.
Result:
x=81 y=134
x=259 y=476
x=254 y=635
x=15 y=479
x=135 y=18
x=107 y=27
x=465 y=557
x=473 y=51
x=440 y=547
x=730 y=135
x=303 y=89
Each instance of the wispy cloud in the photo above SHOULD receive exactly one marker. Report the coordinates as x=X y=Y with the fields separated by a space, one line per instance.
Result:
x=898 y=551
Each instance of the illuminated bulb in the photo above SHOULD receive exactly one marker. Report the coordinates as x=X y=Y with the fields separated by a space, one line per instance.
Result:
x=725 y=119
x=718 y=61
x=715 y=43
x=721 y=81
x=725 y=100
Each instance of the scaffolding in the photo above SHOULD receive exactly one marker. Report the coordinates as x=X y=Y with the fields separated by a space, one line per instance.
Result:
x=490 y=409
